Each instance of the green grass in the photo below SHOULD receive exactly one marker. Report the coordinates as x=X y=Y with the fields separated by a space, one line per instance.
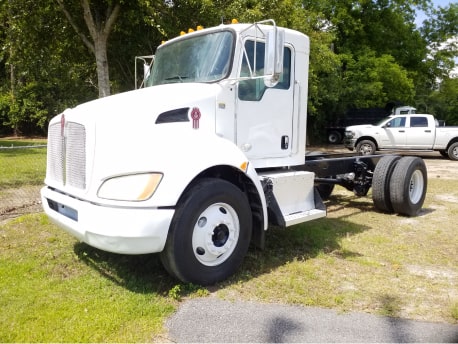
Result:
x=18 y=142
x=21 y=166
x=54 y=289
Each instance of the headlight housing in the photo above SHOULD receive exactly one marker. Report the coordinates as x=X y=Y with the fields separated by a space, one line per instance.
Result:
x=132 y=187
x=349 y=134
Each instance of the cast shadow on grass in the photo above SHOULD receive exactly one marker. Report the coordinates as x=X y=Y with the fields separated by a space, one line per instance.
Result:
x=305 y=241
x=145 y=274
x=138 y=273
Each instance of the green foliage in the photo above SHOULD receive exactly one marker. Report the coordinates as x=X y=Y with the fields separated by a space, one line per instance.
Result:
x=444 y=101
x=372 y=81
x=363 y=53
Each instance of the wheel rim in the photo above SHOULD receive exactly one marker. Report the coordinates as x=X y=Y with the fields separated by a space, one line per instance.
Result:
x=455 y=152
x=365 y=149
x=215 y=234
x=416 y=186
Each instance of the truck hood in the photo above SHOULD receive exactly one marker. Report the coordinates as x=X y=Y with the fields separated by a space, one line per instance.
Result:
x=147 y=104
x=134 y=131
x=357 y=128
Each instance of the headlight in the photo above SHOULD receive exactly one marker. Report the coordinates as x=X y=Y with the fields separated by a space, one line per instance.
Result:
x=349 y=134
x=134 y=187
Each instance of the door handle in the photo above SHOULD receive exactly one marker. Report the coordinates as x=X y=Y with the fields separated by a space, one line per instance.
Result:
x=427 y=131
x=284 y=142
x=402 y=131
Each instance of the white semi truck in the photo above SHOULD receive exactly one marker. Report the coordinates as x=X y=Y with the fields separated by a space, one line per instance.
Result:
x=199 y=164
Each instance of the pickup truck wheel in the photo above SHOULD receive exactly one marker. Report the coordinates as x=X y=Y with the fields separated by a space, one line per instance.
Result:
x=365 y=147
x=209 y=234
x=452 y=151
x=334 y=137
x=408 y=185
x=381 y=183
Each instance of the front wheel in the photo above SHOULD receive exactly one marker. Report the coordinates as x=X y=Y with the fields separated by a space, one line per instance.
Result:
x=366 y=147
x=408 y=185
x=452 y=151
x=209 y=234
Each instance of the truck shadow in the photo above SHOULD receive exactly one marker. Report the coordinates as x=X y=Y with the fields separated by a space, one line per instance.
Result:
x=142 y=274
x=145 y=274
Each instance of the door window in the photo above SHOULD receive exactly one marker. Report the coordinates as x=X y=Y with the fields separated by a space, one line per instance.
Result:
x=253 y=65
x=418 y=122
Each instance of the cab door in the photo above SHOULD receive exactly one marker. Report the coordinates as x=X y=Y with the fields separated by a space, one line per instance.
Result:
x=393 y=133
x=264 y=116
x=419 y=134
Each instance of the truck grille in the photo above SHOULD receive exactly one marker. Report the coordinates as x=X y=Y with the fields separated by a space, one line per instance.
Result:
x=67 y=155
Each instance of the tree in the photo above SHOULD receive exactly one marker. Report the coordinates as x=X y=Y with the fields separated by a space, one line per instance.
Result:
x=444 y=101
x=99 y=20
x=46 y=72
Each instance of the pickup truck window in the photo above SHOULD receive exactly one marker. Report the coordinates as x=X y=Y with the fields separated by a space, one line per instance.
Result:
x=253 y=90
x=202 y=58
x=418 y=122
x=397 y=122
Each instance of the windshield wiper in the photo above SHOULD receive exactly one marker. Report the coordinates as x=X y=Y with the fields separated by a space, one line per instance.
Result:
x=176 y=77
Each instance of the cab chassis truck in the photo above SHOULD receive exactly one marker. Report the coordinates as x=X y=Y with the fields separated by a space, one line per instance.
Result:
x=197 y=165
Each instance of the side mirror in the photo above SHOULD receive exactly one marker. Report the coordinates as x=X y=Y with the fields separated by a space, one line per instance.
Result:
x=273 y=58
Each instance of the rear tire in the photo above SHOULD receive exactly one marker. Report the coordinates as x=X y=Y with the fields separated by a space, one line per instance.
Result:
x=209 y=234
x=452 y=151
x=366 y=147
x=334 y=137
x=381 y=183
x=408 y=186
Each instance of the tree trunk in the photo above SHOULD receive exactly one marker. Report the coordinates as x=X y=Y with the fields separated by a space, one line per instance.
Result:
x=103 y=73
x=99 y=27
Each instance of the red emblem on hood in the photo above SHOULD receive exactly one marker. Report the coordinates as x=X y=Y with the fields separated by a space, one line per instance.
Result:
x=195 y=115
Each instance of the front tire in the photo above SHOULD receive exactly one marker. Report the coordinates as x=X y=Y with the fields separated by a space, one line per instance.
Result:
x=366 y=147
x=209 y=234
x=408 y=186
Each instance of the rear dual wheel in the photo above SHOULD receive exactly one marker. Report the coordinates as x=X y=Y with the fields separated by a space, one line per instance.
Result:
x=399 y=185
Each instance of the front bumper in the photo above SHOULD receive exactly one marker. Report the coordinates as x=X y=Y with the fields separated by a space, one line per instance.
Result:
x=114 y=229
x=349 y=143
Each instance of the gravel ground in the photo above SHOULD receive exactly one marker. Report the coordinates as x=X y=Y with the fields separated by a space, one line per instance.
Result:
x=206 y=320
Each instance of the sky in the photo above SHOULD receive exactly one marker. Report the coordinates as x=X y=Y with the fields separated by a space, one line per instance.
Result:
x=436 y=3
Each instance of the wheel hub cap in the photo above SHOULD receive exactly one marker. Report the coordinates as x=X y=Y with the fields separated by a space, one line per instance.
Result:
x=215 y=234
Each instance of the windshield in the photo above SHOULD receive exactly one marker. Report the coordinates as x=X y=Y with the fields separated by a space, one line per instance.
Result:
x=379 y=123
x=204 y=58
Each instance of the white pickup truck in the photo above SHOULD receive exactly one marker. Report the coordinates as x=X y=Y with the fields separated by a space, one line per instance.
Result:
x=403 y=132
